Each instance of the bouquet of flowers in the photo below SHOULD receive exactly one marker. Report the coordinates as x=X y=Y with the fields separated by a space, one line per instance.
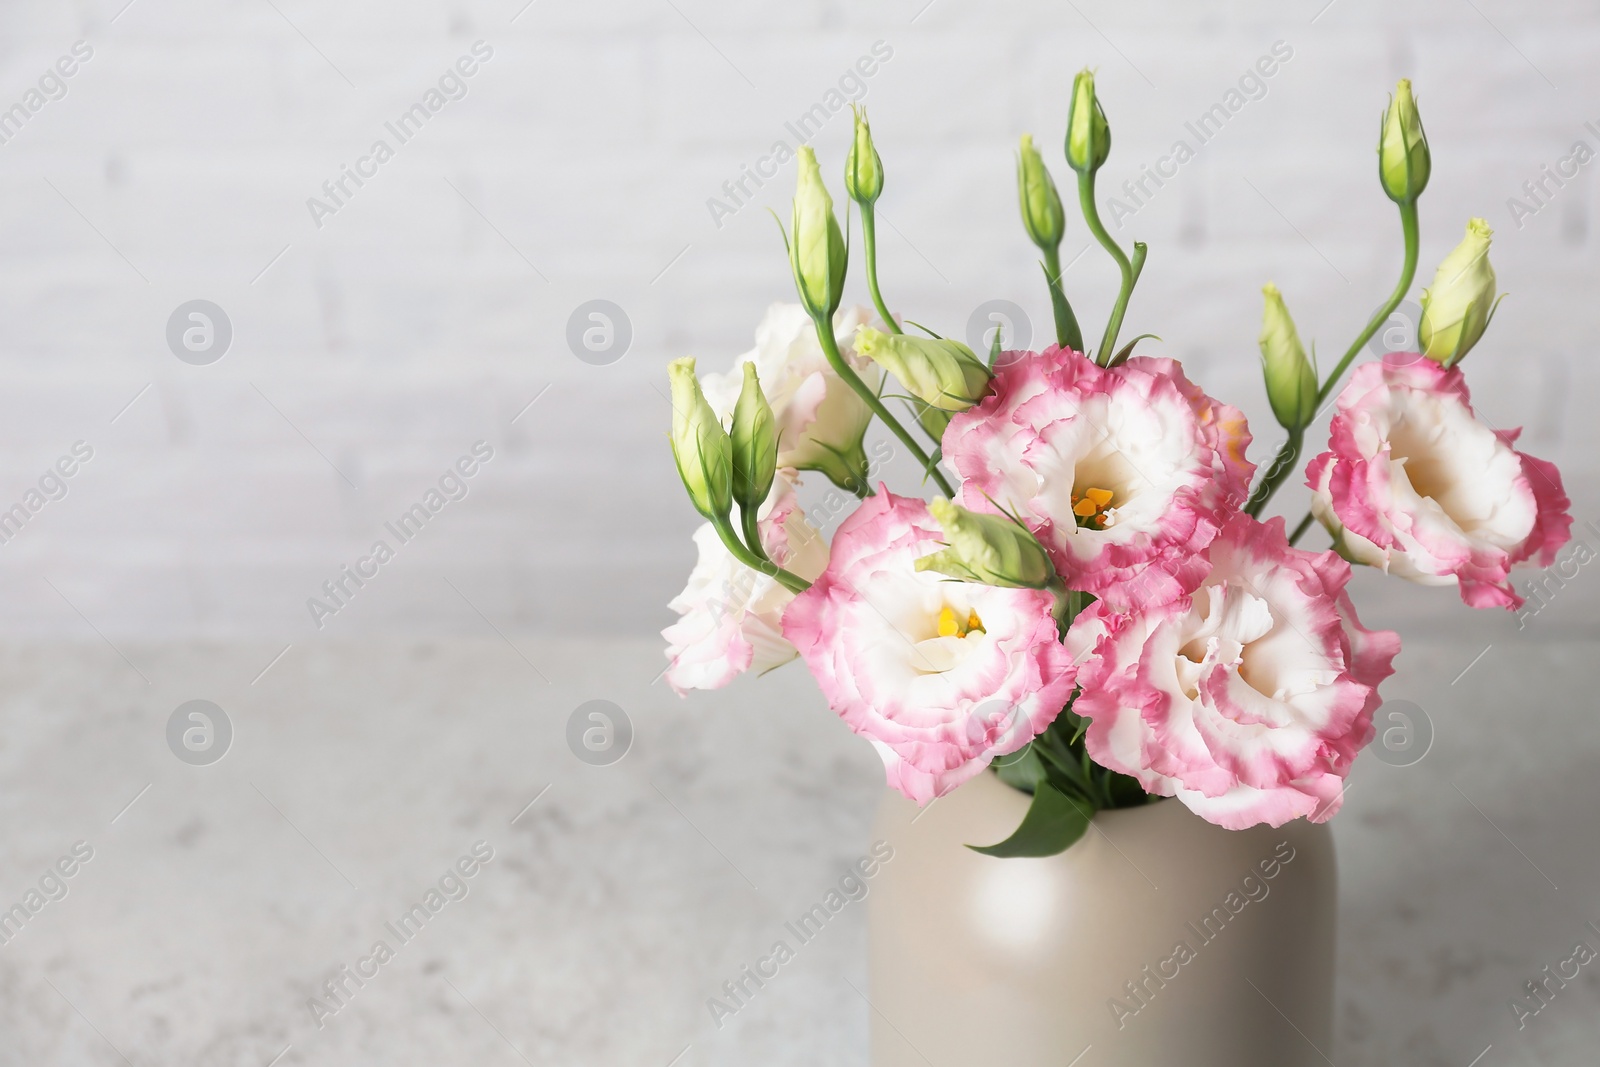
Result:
x=1092 y=605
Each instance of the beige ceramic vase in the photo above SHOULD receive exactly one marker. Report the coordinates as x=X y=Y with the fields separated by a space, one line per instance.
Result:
x=1157 y=940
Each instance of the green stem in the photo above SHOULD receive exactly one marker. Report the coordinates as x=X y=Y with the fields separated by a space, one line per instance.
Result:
x=1091 y=215
x=1139 y=251
x=1408 y=272
x=752 y=532
x=789 y=580
x=1052 y=264
x=830 y=348
x=869 y=243
x=1300 y=531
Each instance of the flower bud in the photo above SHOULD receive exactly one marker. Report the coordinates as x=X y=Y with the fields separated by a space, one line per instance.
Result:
x=816 y=247
x=1041 y=204
x=991 y=549
x=863 y=170
x=1403 y=159
x=944 y=374
x=1456 y=310
x=1088 y=135
x=699 y=444
x=755 y=444
x=1291 y=379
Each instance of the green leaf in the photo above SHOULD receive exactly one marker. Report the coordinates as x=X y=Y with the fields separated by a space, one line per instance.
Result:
x=1127 y=349
x=995 y=346
x=1020 y=770
x=1068 y=335
x=1054 y=821
x=924 y=329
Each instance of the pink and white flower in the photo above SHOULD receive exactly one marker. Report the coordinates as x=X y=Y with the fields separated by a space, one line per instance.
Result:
x=1247 y=699
x=1125 y=473
x=816 y=414
x=941 y=676
x=731 y=615
x=1414 y=483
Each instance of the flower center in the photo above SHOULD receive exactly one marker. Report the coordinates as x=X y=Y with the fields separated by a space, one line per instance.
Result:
x=950 y=625
x=1093 y=508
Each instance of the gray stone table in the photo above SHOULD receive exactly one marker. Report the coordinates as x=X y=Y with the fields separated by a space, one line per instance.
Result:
x=220 y=899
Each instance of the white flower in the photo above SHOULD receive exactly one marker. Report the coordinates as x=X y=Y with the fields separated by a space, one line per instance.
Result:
x=731 y=615
x=820 y=419
x=1415 y=484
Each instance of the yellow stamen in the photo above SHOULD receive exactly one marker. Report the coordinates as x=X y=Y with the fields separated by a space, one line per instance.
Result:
x=947 y=623
x=1091 y=506
x=974 y=623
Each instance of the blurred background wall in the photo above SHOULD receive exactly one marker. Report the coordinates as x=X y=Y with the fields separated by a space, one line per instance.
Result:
x=377 y=338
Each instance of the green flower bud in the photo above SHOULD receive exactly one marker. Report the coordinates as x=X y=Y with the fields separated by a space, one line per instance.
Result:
x=1088 y=135
x=863 y=170
x=944 y=374
x=755 y=444
x=990 y=549
x=1291 y=378
x=1403 y=159
x=1041 y=204
x=816 y=247
x=1457 y=309
x=699 y=444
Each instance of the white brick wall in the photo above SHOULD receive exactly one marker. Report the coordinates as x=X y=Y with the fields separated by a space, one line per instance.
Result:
x=409 y=327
